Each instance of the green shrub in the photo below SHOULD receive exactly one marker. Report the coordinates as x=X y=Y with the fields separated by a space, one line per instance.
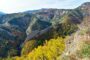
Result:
x=28 y=46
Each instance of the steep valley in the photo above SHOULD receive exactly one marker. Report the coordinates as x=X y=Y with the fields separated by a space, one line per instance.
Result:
x=18 y=30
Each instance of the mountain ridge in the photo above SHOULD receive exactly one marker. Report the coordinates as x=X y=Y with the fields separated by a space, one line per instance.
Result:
x=17 y=28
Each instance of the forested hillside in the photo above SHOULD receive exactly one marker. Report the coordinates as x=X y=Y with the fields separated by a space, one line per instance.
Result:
x=46 y=34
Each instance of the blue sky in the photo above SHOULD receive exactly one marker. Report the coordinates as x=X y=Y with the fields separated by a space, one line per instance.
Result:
x=13 y=6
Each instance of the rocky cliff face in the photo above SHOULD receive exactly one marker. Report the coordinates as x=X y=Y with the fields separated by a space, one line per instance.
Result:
x=77 y=45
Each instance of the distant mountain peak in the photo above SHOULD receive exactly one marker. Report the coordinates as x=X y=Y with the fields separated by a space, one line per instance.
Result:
x=1 y=13
x=86 y=4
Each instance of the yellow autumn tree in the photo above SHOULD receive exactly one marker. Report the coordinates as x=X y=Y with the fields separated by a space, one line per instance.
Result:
x=50 y=51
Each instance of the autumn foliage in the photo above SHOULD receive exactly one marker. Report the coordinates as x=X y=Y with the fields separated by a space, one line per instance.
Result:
x=51 y=50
